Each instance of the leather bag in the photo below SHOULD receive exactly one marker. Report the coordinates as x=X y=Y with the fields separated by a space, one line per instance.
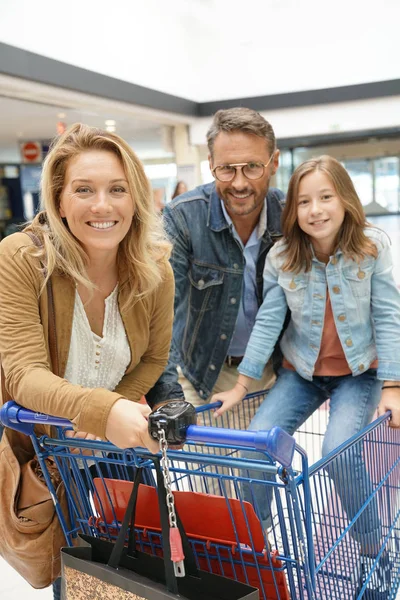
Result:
x=30 y=532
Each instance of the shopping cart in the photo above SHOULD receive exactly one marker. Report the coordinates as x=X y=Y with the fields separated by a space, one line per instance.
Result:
x=306 y=550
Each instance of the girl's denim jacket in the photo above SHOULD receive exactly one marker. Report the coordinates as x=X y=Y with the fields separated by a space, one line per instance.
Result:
x=365 y=303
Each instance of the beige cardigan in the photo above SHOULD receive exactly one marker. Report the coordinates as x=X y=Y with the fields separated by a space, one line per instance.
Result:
x=24 y=346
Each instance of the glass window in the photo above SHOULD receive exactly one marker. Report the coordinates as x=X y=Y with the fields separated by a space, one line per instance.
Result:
x=387 y=184
x=360 y=172
x=284 y=172
x=30 y=186
x=206 y=175
x=163 y=180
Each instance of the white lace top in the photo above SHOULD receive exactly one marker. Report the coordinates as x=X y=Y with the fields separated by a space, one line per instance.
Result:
x=95 y=361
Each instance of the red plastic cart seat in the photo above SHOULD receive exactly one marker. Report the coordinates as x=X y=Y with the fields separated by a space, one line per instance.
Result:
x=205 y=518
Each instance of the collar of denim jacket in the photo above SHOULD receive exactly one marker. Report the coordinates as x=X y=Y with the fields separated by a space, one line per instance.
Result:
x=269 y=224
x=337 y=253
x=216 y=219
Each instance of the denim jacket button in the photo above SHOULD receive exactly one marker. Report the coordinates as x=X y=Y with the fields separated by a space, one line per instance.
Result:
x=223 y=336
x=336 y=289
x=292 y=285
x=342 y=318
x=212 y=367
x=233 y=300
x=334 y=261
x=349 y=342
x=360 y=274
x=361 y=367
x=235 y=266
x=200 y=283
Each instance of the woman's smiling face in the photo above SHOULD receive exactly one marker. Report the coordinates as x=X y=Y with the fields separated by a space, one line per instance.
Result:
x=96 y=201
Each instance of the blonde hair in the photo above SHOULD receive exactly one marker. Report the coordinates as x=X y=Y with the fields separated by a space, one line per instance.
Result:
x=351 y=237
x=144 y=250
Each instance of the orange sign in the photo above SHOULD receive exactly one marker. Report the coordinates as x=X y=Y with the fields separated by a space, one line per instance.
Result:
x=61 y=127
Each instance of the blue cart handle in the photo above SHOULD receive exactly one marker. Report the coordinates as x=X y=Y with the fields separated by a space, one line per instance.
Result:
x=21 y=419
x=279 y=444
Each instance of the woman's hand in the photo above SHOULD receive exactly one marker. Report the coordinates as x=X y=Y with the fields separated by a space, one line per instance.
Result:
x=390 y=400
x=229 y=399
x=127 y=426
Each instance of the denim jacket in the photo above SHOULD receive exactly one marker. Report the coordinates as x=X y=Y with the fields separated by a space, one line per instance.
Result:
x=365 y=303
x=208 y=266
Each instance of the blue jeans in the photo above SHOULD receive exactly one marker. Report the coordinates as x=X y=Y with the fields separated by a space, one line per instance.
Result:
x=57 y=589
x=353 y=401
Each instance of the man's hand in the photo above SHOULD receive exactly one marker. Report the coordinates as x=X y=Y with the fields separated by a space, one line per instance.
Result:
x=390 y=400
x=127 y=426
x=229 y=399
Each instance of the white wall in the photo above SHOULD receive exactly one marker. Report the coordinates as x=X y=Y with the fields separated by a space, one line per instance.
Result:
x=322 y=119
x=10 y=154
x=214 y=49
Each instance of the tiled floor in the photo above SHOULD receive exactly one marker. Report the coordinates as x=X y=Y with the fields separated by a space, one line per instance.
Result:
x=13 y=587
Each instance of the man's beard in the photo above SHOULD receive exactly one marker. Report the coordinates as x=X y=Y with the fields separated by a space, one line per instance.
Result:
x=244 y=209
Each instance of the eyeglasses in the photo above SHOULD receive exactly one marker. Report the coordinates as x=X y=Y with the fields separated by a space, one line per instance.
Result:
x=251 y=170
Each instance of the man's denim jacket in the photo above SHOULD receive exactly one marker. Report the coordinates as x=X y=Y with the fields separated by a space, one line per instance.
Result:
x=208 y=266
x=365 y=304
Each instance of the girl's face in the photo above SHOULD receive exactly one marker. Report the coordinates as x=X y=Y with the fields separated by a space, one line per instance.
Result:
x=96 y=201
x=320 y=211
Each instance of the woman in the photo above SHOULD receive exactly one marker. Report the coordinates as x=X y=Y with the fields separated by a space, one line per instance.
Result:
x=334 y=272
x=113 y=288
x=180 y=188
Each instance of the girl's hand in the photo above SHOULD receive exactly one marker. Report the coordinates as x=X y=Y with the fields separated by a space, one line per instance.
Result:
x=229 y=400
x=390 y=400
x=127 y=426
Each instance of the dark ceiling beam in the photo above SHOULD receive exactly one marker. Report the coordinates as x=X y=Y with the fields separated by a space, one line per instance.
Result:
x=34 y=67
x=362 y=91
x=345 y=137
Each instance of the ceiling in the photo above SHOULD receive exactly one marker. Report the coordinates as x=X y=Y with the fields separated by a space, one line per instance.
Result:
x=33 y=120
x=202 y=50
x=207 y=50
x=31 y=111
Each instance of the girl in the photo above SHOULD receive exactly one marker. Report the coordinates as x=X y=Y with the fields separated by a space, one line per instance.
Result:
x=334 y=272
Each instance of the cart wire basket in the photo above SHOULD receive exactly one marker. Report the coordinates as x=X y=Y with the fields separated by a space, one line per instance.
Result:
x=253 y=508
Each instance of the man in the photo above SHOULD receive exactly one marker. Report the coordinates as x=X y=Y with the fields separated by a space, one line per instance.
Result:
x=221 y=233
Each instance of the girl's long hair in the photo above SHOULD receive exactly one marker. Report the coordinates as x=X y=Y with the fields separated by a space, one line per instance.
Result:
x=144 y=250
x=351 y=238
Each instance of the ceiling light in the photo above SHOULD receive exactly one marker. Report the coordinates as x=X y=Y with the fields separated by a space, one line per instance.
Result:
x=110 y=128
x=110 y=122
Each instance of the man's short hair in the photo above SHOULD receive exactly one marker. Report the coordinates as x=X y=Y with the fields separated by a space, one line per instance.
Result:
x=240 y=119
